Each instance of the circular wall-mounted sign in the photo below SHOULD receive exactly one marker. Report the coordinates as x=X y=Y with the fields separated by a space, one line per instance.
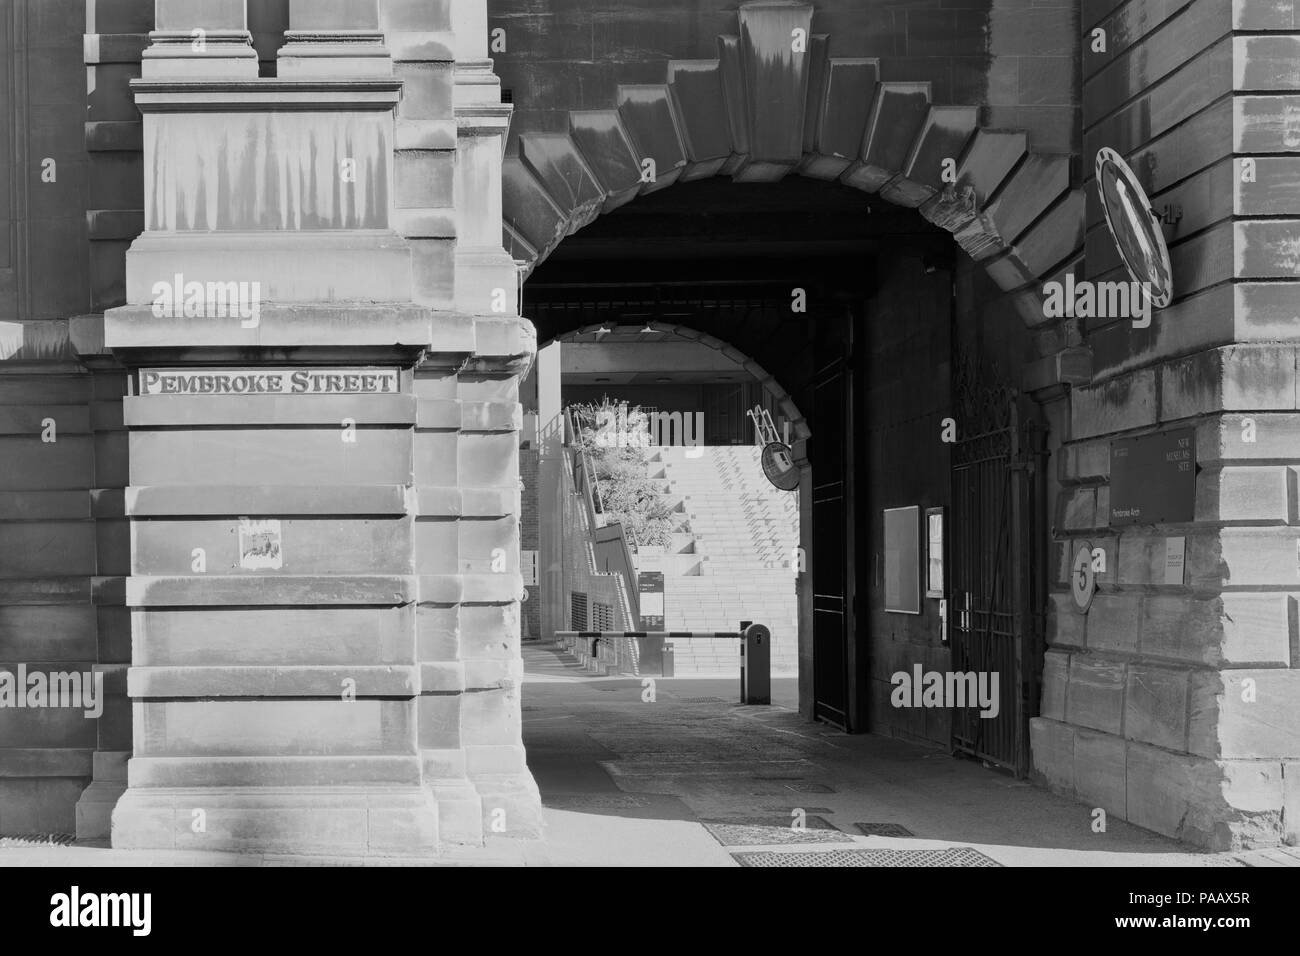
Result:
x=1134 y=227
x=779 y=466
x=1083 y=580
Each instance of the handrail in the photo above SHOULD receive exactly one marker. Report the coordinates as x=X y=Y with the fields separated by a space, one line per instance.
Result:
x=588 y=487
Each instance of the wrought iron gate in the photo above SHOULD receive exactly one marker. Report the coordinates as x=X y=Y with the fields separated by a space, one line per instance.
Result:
x=997 y=559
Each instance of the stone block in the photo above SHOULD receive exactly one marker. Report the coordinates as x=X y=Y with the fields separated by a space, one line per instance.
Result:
x=1065 y=627
x=230 y=456
x=1085 y=461
x=1219 y=805
x=43 y=805
x=423 y=178
x=1113 y=622
x=1096 y=694
x=1125 y=402
x=1244 y=714
x=1257 y=628
x=512 y=805
x=1234 y=628
x=303 y=635
x=1241 y=493
x=1155 y=706
x=267 y=727
x=1077 y=509
x=1245 y=556
x=1242 y=377
x=490 y=717
x=1099 y=771
x=1182 y=627
x=440 y=721
x=1056 y=677
x=1052 y=752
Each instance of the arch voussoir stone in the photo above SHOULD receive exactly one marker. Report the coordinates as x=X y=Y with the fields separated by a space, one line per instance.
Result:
x=762 y=110
x=839 y=116
x=897 y=118
x=655 y=133
x=696 y=90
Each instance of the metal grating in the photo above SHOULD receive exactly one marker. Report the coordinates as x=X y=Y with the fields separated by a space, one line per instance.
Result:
x=577 y=611
x=37 y=839
x=949 y=856
x=884 y=829
x=817 y=830
x=602 y=617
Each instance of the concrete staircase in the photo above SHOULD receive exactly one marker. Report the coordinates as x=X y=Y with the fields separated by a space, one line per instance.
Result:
x=735 y=563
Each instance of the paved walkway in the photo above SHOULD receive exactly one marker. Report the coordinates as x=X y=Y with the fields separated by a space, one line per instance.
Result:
x=694 y=778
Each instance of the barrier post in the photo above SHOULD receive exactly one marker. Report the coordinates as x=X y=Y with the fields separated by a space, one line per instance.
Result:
x=756 y=665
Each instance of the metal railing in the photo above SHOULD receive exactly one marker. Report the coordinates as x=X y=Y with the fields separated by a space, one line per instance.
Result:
x=587 y=486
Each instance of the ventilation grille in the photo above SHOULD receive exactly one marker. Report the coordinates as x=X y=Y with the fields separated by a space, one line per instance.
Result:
x=602 y=617
x=577 y=611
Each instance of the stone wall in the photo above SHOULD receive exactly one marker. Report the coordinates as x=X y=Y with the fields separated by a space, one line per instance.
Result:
x=69 y=182
x=119 y=521
x=1173 y=704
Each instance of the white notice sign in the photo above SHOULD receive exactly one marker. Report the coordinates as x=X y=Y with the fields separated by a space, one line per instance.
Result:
x=1175 y=552
x=259 y=544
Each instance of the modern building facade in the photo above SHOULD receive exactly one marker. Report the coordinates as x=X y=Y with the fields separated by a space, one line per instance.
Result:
x=273 y=274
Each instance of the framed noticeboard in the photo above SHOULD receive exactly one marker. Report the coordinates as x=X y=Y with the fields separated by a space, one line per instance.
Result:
x=903 y=560
x=934 y=552
x=1153 y=478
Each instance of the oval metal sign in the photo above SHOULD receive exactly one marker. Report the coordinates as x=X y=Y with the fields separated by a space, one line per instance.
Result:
x=1134 y=228
x=779 y=466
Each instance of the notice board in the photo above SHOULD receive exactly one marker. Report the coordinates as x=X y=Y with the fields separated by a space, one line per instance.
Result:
x=903 y=560
x=650 y=586
x=1153 y=478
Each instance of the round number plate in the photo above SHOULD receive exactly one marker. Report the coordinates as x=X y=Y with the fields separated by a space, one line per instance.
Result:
x=1083 y=581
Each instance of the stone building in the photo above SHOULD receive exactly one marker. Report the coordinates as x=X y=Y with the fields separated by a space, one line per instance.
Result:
x=272 y=275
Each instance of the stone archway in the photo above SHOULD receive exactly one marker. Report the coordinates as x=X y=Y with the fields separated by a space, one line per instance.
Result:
x=800 y=433
x=782 y=398
x=769 y=107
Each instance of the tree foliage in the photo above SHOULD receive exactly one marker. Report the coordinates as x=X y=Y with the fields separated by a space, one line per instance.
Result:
x=616 y=439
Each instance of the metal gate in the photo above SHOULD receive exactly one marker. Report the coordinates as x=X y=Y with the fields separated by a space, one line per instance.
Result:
x=997 y=560
x=833 y=516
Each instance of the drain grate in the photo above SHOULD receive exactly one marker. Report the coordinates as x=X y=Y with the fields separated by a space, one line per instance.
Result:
x=884 y=829
x=950 y=856
x=37 y=839
x=767 y=833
